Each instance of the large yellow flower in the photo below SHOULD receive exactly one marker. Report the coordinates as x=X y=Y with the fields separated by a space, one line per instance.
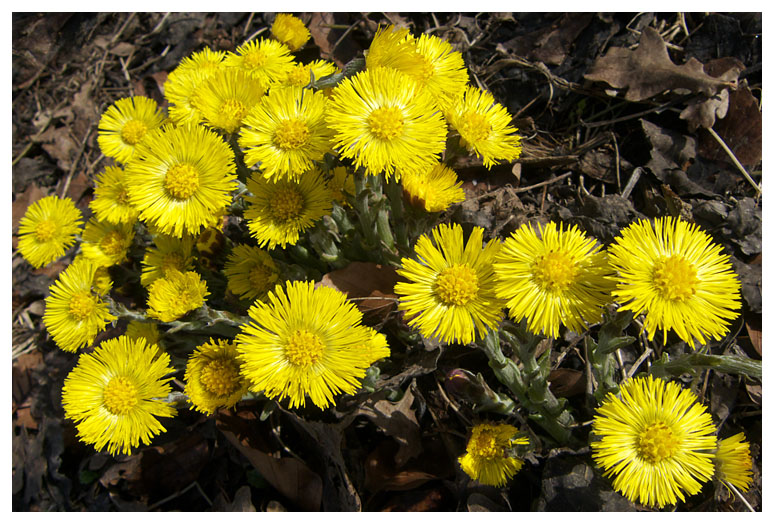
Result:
x=48 y=229
x=125 y=124
x=450 y=293
x=111 y=199
x=116 y=393
x=263 y=59
x=307 y=342
x=107 y=244
x=290 y=31
x=655 y=440
x=251 y=272
x=433 y=190
x=213 y=378
x=490 y=457
x=174 y=295
x=226 y=97
x=444 y=73
x=673 y=273
x=180 y=88
x=182 y=178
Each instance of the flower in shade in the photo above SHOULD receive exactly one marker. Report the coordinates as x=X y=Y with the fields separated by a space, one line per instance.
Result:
x=107 y=244
x=125 y=124
x=307 y=342
x=111 y=199
x=490 y=456
x=174 y=295
x=290 y=31
x=672 y=272
x=116 y=393
x=265 y=60
x=484 y=127
x=286 y=132
x=733 y=462
x=167 y=253
x=655 y=440
x=395 y=48
x=301 y=74
x=449 y=292
x=182 y=178
x=444 y=73
x=148 y=330
x=180 y=88
x=48 y=229
x=384 y=121
x=226 y=97
x=553 y=277
x=250 y=271
x=74 y=313
x=433 y=190
x=342 y=184
x=279 y=211
x=213 y=377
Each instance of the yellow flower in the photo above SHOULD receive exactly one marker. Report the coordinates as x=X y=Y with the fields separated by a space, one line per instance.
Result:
x=148 y=330
x=484 y=127
x=174 y=295
x=251 y=272
x=395 y=48
x=107 y=244
x=290 y=31
x=384 y=121
x=280 y=211
x=116 y=393
x=656 y=441
x=111 y=200
x=180 y=88
x=213 y=377
x=181 y=179
x=286 y=132
x=301 y=74
x=341 y=184
x=48 y=229
x=307 y=342
x=168 y=253
x=125 y=124
x=266 y=60
x=444 y=73
x=74 y=313
x=226 y=97
x=433 y=190
x=673 y=273
x=490 y=458
x=733 y=462
x=553 y=277
x=451 y=290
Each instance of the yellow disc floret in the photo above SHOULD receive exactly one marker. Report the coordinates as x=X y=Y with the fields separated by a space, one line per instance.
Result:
x=291 y=134
x=133 y=132
x=181 y=181
x=474 y=127
x=287 y=204
x=304 y=348
x=221 y=377
x=386 y=122
x=457 y=285
x=555 y=271
x=657 y=442
x=675 y=278
x=45 y=230
x=82 y=304
x=120 y=395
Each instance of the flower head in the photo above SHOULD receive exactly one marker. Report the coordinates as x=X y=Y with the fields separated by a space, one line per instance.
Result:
x=450 y=293
x=307 y=342
x=226 y=97
x=265 y=60
x=279 y=211
x=168 y=253
x=552 y=277
x=116 y=393
x=251 y=272
x=75 y=314
x=182 y=177
x=490 y=458
x=444 y=73
x=433 y=190
x=733 y=462
x=174 y=295
x=301 y=74
x=394 y=47
x=290 y=31
x=384 y=121
x=111 y=199
x=180 y=88
x=125 y=124
x=48 y=229
x=213 y=377
x=148 y=330
x=656 y=441
x=484 y=127
x=673 y=273
x=107 y=244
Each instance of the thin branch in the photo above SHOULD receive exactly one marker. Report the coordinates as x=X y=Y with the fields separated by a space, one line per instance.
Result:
x=734 y=159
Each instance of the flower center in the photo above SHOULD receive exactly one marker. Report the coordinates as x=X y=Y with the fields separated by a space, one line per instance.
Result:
x=299 y=76
x=386 y=123
x=304 y=348
x=171 y=261
x=133 y=132
x=232 y=112
x=657 y=442
x=81 y=305
x=457 y=285
x=474 y=127
x=286 y=204
x=675 y=278
x=220 y=377
x=255 y=59
x=119 y=396
x=181 y=181
x=112 y=244
x=45 y=230
x=261 y=277
x=428 y=70
x=123 y=197
x=555 y=271
x=291 y=134
x=484 y=445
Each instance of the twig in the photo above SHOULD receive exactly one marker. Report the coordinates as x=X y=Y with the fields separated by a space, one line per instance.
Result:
x=657 y=109
x=76 y=161
x=739 y=495
x=631 y=183
x=121 y=29
x=734 y=159
x=618 y=177
x=544 y=183
x=639 y=362
x=254 y=35
x=247 y=24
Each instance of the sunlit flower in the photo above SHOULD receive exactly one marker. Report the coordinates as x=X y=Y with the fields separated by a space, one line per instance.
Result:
x=290 y=31
x=74 y=313
x=733 y=462
x=490 y=457
x=450 y=293
x=301 y=74
x=433 y=190
x=148 y=330
x=107 y=244
x=484 y=127
x=167 y=253
x=251 y=272
x=116 y=393
x=307 y=342
x=180 y=88
x=655 y=440
x=342 y=184
x=673 y=273
x=183 y=176
x=395 y=48
x=444 y=73
x=280 y=211
x=384 y=121
x=226 y=97
x=213 y=377
x=174 y=295
x=553 y=277
x=48 y=229
x=125 y=124
x=111 y=200
x=266 y=60
x=286 y=132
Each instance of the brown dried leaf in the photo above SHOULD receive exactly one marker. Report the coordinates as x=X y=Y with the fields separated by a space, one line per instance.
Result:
x=363 y=279
x=19 y=207
x=756 y=338
x=58 y=143
x=741 y=130
x=381 y=472
x=648 y=71
x=550 y=44
x=566 y=382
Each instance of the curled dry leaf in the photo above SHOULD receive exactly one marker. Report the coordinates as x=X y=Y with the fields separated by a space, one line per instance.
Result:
x=703 y=112
x=371 y=284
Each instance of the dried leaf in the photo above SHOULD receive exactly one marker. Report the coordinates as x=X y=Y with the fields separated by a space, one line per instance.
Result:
x=552 y=43
x=741 y=131
x=58 y=143
x=755 y=335
x=366 y=280
x=704 y=112
x=566 y=382
x=19 y=207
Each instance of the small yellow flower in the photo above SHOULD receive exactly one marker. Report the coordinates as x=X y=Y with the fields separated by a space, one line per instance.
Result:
x=395 y=48
x=433 y=190
x=111 y=199
x=444 y=73
x=251 y=272
x=116 y=393
x=266 y=60
x=290 y=31
x=301 y=74
x=173 y=296
x=107 y=244
x=168 y=253
x=733 y=462
x=125 y=124
x=226 y=97
x=490 y=457
x=213 y=377
x=180 y=88
x=48 y=229
x=148 y=330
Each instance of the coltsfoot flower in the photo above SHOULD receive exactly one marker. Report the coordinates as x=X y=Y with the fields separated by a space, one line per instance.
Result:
x=433 y=190
x=226 y=97
x=148 y=330
x=213 y=378
x=48 y=229
x=174 y=295
x=733 y=462
x=181 y=86
x=107 y=244
x=263 y=59
x=125 y=124
x=290 y=30
x=251 y=272
x=490 y=457
x=111 y=199
x=167 y=253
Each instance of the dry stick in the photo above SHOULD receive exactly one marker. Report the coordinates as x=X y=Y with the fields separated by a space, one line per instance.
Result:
x=254 y=35
x=344 y=35
x=247 y=24
x=544 y=183
x=75 y=164
x=121 y=29
x=616 y=148
x=739 y=495
x=159 y=25
x=640 y=360
x=631 y=183
x=734 y=159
